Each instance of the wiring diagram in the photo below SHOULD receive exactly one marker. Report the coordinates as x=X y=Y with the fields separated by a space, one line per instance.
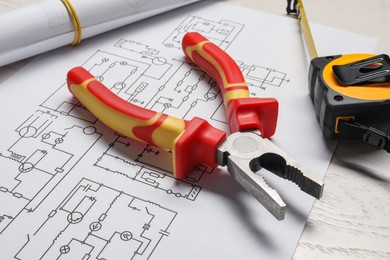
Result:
x=63 y=165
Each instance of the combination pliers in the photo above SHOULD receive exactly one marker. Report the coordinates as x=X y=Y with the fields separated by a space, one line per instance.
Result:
x=251 y=122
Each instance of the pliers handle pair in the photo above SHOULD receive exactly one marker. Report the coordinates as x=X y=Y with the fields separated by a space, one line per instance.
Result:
x=193 y=142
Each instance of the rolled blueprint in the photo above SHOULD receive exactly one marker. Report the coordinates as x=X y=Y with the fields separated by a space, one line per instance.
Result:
x=47 y=25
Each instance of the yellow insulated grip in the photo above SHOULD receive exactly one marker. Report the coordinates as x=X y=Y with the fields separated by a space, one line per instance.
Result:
x=128 y=119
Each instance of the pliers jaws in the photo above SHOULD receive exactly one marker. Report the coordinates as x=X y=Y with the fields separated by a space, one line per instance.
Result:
x=245 y=153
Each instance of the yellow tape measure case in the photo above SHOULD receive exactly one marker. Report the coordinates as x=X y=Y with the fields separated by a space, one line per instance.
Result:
x=354 y=87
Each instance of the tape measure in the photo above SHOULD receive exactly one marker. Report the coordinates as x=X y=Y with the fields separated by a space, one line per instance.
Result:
x=350 y=93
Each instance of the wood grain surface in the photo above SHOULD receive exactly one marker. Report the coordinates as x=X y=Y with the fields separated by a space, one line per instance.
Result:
x=352 y=220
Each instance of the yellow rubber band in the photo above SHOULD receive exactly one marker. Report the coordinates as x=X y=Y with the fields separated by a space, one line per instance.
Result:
x=75 y=21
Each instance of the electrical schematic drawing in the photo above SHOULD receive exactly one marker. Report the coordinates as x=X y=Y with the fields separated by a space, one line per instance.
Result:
x=40 y=158
x=92 y=219
x=221 y=33
x=95 y=222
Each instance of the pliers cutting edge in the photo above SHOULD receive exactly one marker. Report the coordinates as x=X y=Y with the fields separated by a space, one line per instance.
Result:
x=251 y=121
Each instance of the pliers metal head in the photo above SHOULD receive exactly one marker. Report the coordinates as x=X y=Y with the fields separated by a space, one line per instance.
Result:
x=245 y=153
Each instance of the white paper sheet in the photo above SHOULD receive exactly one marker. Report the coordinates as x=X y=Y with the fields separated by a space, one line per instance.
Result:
x=6 y=5
x=71 y=188
x=46 y=25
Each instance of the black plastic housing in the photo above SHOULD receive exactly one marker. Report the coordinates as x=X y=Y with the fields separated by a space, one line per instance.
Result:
x=330 y=105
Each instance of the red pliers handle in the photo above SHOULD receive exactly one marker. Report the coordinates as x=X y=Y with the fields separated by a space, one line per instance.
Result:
x=243 y=113
x=191 y=142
